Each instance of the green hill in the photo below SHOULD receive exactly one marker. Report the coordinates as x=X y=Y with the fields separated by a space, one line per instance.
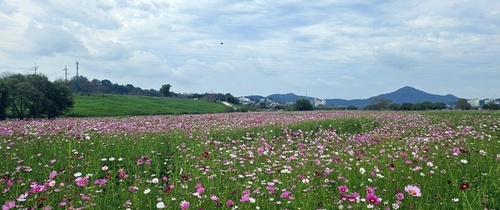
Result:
x=100 y=105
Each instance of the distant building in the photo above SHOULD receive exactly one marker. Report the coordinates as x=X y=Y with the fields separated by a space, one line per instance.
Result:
x=319 y=102
x=246 y=101
x=491 y=100
x=474 y=102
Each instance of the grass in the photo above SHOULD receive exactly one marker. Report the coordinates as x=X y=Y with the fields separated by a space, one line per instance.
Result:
x=254 y=160
x=99 y=105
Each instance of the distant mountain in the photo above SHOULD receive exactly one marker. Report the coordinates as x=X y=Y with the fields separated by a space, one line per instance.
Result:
x=402 y=95
x=289 y=97
x=412 y=95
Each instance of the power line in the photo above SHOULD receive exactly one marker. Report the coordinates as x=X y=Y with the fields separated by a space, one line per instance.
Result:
x=34 y=68
x=65 y=74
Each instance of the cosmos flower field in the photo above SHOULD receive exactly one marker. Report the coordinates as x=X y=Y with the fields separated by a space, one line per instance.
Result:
x=268 y=160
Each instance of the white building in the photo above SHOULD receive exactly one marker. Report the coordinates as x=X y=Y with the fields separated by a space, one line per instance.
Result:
x=319 y=102
x=246 y=101
x=473 y=102
x=491 y=100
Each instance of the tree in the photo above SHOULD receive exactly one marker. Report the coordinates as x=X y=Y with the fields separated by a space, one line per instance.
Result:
x=165 y=90
x=491 y=106
x=231 y=99
x=462 y=104
x=439 y=106
x=302 y=104
x=61 y=99
x=352 y=107
x=379 y=103
x=406 y=106
x=35 y=96
x=3 y=100
x=394 y=106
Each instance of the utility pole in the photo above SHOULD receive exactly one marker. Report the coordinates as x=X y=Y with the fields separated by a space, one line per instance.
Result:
x=34 y=68
x=65 y=74
x=77 y=69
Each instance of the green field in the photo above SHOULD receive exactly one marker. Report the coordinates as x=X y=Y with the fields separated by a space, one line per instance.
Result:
x=254 y=160
x=102 y=105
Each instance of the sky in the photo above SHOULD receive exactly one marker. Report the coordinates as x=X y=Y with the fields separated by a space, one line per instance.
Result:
x=349 y=49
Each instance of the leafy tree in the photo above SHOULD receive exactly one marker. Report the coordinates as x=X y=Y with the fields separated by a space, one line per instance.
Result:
x=3 y=100
x=352 y=107
x=394 y=106
x=426 y=105
x=302 y=104
x=165 y=90
x=35 y=96
x=406 y=106
x=263 y=105
x=80 y=84
x=231 y=99
x=378 y=103
x=381 y=103
x=61 y=99
x=462 y=104
x=491 y=106
x=439 y=106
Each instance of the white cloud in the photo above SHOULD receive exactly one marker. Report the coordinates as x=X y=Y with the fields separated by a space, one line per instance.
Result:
x=358 y=48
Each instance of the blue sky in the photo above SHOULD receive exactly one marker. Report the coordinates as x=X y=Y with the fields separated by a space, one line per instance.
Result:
x=327 y=49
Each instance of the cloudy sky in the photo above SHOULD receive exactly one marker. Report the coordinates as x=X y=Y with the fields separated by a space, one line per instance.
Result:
x=328 y=49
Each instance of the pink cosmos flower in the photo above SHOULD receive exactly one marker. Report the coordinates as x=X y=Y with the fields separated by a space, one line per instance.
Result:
x=343 y=189
x=230 y=203
x=260 y=150
x=52 y=174
x=455 y=151
x=38 y=188
x=22 y=197
x=133 y=188
x=200 y=190
x=370 y=190
x=127 y=203
x=82 y=181
x=372 y=199
x=400 y=196
x=9 y=205
x=413 y=190
x=285 y=194
x=184 y=205
x=214 y=198
x=123 y=175
x=84 y=197
x=245 y=198
x=100 y=182
x=63 y=203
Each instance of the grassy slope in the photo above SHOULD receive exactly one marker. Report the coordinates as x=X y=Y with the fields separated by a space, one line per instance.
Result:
x=123 y=105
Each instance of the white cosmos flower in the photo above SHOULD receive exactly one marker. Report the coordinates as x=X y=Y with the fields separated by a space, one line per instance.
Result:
x=362 y=170
x=160 y=205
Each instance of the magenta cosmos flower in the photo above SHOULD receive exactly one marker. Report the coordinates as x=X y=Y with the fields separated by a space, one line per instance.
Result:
x=413 y=190
x=82 y=181
x=184 y=205
x=343 y=189
x=372 y=199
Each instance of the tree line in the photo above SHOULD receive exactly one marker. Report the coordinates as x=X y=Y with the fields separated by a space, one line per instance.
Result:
x=386 y=104
x=83 y=85
x=33 y=96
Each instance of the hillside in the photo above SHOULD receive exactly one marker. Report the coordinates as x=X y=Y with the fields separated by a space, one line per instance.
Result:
x=99 y=105
x=402 y=95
